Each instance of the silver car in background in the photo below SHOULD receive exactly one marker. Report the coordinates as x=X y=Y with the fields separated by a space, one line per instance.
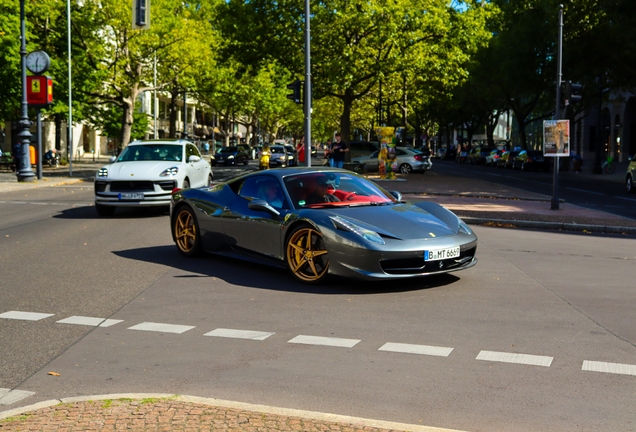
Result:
x=408 y=160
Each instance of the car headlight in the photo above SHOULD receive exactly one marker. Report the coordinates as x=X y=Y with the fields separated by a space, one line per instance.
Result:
x=230 y=157
x=464 y=228
x=347 y=225
x=103 y=172
x=169 y=172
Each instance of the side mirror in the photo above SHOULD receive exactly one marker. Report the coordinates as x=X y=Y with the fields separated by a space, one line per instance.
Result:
x=397 y=195
x=112 y=159
x=262 y=205
x=194 y=158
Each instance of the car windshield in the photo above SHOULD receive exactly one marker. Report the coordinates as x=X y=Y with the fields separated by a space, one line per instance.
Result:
x=334 y=189
x=231 y=149
x=277 y=149
x=151 y=152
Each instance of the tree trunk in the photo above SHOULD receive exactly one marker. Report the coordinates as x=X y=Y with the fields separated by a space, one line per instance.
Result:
x=174 y=95
x=127 y=120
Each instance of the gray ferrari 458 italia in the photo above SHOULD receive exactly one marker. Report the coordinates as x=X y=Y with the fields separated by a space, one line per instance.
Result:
x=318 y=222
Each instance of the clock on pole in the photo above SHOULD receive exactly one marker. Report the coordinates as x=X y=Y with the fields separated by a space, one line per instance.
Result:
x=38 y=62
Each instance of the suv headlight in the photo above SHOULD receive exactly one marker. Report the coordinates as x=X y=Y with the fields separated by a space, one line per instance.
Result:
x=103 y=172
x=169 y=172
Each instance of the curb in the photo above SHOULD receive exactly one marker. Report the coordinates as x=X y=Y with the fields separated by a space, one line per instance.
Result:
x=562 y=226
x=287 y=412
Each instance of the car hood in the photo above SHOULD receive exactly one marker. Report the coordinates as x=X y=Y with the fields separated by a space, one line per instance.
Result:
x=400 y=221
x=126 y=170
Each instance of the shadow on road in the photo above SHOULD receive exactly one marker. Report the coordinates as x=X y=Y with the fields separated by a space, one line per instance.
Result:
x=260 y=276
x=88 y=212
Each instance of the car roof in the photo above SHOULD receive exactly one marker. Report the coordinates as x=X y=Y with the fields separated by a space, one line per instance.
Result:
x=168 y=141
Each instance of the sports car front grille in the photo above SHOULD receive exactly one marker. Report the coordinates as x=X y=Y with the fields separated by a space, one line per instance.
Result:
x=417 y=265
x=127 y=186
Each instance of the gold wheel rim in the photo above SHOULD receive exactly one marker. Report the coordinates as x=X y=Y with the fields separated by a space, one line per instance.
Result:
x=185 y=231
x=306 y=255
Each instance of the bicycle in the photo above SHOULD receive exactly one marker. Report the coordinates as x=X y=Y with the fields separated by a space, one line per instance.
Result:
x=607 y=167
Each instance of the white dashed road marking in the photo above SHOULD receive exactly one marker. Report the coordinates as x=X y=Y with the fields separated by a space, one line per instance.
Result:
x=239 y=334
x=327 y=341
x=615 y=368
x=506 y=357
x=26 y=316
x=416 y=349
x=89 y=321
x=13 y=396
x=163 y=328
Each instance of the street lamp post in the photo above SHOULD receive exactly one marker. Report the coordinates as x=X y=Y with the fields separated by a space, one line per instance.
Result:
x=25 y=172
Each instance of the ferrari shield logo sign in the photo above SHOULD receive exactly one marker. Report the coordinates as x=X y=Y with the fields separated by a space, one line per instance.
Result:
x=556 y=138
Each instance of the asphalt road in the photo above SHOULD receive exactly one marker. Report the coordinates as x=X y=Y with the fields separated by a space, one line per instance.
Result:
x=529 y=339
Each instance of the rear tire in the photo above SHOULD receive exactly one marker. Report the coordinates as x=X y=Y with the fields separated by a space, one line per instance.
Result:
x=406 y=168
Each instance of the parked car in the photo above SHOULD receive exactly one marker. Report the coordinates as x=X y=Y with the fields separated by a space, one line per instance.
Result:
x=493 y=157
x=232 y=155
x=278 y=156
x=318 y=223
x=630 y=177
x=408 y=160
x=506 y=158
x=146 y=173
x=530 y=160
x=477 y=156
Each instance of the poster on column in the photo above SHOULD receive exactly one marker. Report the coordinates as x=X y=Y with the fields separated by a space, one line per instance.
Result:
x=556 y=137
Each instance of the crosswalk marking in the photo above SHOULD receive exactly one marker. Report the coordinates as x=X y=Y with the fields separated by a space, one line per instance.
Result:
x=507 y=357
x=326 y=341
x=416 y=349
x=13 y=396
x=615 y=368
x=89 y=321
x=163 y=328
x=239 y=334
x=26 y=316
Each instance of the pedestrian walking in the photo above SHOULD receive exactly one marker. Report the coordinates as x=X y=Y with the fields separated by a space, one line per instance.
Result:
x=338 y=150
x=206 y=147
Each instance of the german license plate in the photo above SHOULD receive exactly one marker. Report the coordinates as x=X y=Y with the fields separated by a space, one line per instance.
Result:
x=135 y=196
x=441 y=254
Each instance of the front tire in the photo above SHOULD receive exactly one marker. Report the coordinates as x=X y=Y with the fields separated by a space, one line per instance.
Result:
x=306 y=256
x=186 y=232
x=629 y=183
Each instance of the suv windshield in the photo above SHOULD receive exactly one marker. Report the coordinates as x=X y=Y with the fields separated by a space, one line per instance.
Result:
x=231 y=149
x=151 y=152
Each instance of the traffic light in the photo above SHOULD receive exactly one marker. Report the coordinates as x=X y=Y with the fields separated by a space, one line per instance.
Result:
x=572 y=92
x=141 y=14
x=295 y=87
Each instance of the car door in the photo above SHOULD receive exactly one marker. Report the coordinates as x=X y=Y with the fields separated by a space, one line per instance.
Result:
x=197 y=170
x=252 y=230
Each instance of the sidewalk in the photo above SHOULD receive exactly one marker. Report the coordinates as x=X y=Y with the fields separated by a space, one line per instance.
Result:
x=161 y=412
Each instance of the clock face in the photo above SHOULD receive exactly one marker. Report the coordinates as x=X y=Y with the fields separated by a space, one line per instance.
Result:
x=37 y=62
